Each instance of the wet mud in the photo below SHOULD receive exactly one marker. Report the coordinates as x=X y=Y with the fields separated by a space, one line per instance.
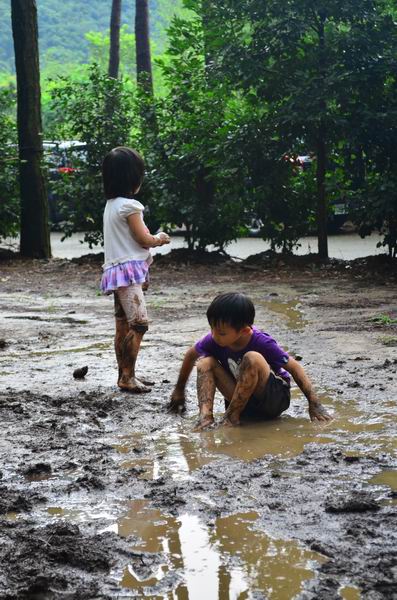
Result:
x=105 y=495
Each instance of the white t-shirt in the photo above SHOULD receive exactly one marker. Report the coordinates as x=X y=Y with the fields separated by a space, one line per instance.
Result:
x=120 y=246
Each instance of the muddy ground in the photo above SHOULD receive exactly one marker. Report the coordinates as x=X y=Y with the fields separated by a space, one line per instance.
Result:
x=105 y=495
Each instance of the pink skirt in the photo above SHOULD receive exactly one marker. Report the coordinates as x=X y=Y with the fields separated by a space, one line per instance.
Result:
x=124 y=274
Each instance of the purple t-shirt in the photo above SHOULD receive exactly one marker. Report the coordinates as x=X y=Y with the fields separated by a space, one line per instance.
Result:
x=260 y=342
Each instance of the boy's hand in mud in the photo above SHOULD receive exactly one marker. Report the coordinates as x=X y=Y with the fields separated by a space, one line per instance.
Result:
x=177 y=403
x=318 y=412
x=205 y=424
x=225 y=422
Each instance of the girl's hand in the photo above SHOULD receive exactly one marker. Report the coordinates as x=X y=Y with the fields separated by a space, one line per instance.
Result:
x=163 y=237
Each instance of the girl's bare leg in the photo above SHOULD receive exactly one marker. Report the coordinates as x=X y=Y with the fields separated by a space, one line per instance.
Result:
x=129 y=353
x=120 y=335
x=131 y=325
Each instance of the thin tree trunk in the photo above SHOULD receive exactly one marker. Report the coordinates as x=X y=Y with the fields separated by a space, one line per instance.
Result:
x=35 y=239
x=322 y=206
x=114 y=54
x=142 y=41
x=206 y=19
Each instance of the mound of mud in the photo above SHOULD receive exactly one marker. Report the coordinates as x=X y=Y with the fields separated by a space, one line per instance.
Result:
x=379 y=266
x=89 y=259
x=183 y=256
x=42 y=562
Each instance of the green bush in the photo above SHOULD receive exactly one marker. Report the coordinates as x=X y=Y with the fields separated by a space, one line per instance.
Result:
x=98 y=113
x=9 y=189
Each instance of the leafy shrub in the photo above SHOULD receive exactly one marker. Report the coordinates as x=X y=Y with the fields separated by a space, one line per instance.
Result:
x=96 y=112
x=9 y=190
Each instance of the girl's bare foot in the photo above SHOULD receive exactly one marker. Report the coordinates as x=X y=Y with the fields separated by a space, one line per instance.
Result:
x=144 y=380
x=133 y=385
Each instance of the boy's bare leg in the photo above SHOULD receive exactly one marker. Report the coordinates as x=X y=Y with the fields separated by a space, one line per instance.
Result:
x=253 y=377
x=129 y=352
x=210 y=376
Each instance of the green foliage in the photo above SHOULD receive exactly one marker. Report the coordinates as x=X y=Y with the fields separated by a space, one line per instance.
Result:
x=9 y=200
x=96 y=112
x=324 y=76
x=384 y=320
x=63 y=25
x=190 y=169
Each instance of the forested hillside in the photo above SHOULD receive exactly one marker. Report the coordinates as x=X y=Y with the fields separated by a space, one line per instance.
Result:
x=64 y=23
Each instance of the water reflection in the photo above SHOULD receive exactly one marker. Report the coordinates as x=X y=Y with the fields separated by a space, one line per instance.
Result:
x=178 y=452
x=225 y=560
x=290 y=311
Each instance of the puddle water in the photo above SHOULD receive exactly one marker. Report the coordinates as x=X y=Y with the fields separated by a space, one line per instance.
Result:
x=177 y=452
x=173 y=453
x=290 y=310
x=349 y=592
x=226 y=560
x=94 y=346
x=387 y=477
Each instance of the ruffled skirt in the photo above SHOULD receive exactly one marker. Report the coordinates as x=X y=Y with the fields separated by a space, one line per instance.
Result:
x=124 y=274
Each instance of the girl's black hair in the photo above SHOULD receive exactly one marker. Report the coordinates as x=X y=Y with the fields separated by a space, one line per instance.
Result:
x=123 y=170
x=236 y=310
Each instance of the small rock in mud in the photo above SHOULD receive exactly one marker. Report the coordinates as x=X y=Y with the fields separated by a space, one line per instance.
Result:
x=80 y=373
x=351 y=459
x=3 y=344
x=353 y=502
x=37 y=469
x=354 y=384
x=87 y=482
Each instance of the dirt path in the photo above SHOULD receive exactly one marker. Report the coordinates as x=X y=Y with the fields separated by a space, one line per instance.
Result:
x=104 y=495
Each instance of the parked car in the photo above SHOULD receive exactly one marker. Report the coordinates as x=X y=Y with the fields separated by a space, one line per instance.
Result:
x=62 y=157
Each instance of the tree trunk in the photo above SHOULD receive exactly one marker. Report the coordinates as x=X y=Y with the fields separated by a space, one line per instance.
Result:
x=114 y=54
x=322 y=206
x=142 y=42
x=207 y=20
x=35 y=239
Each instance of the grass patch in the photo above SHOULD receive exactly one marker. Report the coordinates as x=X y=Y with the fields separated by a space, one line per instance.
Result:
x=383 y=320
x=390 y=341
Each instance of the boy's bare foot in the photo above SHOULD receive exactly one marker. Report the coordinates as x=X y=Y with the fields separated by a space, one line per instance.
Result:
x=133 y=385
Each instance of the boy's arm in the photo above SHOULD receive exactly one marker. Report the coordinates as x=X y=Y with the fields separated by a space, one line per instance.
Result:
x=316 y=409
x=178 y=400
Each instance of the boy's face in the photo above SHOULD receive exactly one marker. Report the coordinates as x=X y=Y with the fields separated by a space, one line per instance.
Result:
x=225 y=335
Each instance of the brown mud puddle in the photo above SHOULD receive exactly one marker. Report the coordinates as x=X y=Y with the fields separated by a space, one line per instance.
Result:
x=226 y=558
x=225 y=514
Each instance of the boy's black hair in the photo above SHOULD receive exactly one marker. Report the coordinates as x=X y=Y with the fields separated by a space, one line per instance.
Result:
x=234 y=309
x=123 y=171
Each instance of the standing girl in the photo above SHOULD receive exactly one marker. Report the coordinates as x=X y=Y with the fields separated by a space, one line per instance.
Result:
x=127 y=258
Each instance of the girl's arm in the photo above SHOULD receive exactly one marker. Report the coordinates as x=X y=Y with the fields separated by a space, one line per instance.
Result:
x=141 y=234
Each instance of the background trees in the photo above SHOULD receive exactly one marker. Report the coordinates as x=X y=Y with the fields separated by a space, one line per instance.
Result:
x=238 y=94
x=35 y=240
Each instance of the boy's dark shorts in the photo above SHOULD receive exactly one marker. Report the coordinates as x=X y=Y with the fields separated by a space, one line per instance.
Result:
x=274 y=401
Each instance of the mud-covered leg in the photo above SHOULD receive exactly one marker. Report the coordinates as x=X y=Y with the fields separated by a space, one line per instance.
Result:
x=253 y=376
x=205 y=393
x=211 y=376
x=122 y=330
x=129 y=353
